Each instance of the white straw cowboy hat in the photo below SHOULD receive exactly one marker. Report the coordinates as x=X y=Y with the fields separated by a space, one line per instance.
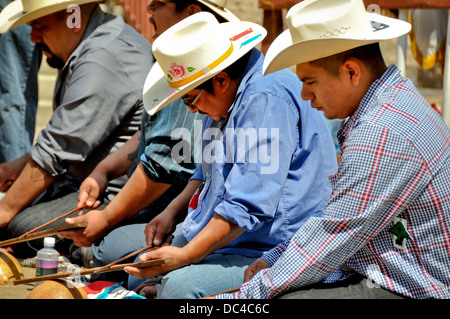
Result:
x=192 y=52
x=321 y=28
x=22 y=11
x=218 y=6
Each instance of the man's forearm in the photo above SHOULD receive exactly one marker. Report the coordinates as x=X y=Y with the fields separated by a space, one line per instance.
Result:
x=32 y=181
x=139 y=192
x=179 y=205
x=218 y=233
x=119 y=162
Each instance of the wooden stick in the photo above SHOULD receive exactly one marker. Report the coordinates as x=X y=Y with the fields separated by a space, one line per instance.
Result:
x=51 y=221
x=42 y=234
x=92 y=270
x=100 y=269
x=223 y=292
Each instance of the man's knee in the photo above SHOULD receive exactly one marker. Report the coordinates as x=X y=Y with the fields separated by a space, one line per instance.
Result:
x=172 y=286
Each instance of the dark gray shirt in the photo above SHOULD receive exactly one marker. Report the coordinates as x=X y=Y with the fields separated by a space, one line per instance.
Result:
x=97 y=100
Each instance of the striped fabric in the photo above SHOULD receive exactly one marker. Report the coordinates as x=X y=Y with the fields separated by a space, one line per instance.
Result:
x=394 y=171
x=161 y=133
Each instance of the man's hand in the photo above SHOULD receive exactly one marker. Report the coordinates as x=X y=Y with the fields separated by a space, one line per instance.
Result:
x=159 y=228
x=179 y=257
x=254 y=268
x=96 y=228
x=32 y=181
x=164 y=224
x=91 y=188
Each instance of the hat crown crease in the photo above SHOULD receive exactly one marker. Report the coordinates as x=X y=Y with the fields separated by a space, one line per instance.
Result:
x=188 y=51
x=334 y=20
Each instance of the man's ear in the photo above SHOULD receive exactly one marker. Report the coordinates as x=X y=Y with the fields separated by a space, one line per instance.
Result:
x=352 y=71
x=221 y=82
x=194 y=8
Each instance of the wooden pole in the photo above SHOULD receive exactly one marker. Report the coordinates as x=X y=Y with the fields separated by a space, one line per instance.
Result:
x=42 y=234
x=51 y=221
x=91 y=271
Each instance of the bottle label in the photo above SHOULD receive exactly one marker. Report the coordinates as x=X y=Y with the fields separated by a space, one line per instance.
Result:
x=46 y=267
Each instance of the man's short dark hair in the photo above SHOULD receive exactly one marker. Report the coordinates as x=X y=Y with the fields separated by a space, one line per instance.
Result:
x=234 y=71
x=369 y=54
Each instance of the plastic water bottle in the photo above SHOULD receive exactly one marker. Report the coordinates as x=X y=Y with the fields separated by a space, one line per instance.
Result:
x=47 y=258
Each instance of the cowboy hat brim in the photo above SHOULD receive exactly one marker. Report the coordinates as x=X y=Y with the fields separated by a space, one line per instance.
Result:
x=157 y=91
x=283 y=53
x=13 y=14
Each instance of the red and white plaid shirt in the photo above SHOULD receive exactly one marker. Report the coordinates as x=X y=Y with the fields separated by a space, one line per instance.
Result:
x=388 y=217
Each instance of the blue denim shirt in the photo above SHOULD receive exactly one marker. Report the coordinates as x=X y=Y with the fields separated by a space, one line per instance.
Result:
x=19 y=65
x=270 y=185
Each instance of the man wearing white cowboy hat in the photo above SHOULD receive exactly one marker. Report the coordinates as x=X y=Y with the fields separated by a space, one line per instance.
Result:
x=245 y=198
x=102 y=64
x=162 y=174
x=384 y=232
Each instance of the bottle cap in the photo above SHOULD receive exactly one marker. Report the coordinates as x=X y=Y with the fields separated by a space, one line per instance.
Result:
x=49 y=241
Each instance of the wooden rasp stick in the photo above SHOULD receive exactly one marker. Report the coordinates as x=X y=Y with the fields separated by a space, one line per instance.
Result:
x=222 y=292
x=51 y=221
x=100 y=269
x=41 y=234
x=92 y=270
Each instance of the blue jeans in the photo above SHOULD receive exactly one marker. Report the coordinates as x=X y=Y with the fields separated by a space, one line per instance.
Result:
x=216 y=273
x=118 y=243
x=127 y=237
x=19 y=65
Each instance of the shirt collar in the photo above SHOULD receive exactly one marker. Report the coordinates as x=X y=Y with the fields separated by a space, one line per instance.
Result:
x=252 y=67
x=96 y=19
x=389 y=77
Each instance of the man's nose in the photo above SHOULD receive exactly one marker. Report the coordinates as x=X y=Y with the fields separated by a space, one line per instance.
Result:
x=192 y=109
x=35 y=35
x=306 y=94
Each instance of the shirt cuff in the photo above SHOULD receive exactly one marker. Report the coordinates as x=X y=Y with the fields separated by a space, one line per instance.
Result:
x=274 y=254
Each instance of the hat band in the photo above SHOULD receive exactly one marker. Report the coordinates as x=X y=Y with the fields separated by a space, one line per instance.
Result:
x=204 y=71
